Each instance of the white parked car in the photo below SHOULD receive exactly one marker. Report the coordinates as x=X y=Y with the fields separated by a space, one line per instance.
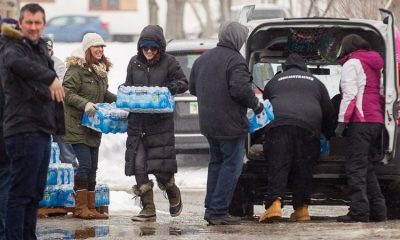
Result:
x=318 y=41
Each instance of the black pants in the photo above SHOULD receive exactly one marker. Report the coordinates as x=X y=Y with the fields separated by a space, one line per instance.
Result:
x=365 y=193
x=291 y=153
x=140 y=168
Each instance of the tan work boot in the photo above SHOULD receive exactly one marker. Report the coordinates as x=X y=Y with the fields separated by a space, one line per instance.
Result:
x=174 y=197
x=273 y=213
x=92 y=206
x=81 y=205
x=300 y=214
x=148 y=212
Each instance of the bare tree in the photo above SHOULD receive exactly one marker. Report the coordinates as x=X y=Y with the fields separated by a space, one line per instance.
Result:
x=153 y=12
x=174 y=28
x=225 y=6
x=207 y=27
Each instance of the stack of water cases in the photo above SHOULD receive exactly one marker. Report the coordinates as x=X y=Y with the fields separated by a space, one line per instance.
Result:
x=59 y=190
x=107 y=119
x=145 y=99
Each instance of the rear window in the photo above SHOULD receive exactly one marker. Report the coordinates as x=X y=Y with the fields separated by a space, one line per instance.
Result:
x=186 y=60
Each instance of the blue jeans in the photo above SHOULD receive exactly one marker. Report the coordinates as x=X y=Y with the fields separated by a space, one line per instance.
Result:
x=4 y=188
x=224 y=168
x=88 y=158
x=30 y=156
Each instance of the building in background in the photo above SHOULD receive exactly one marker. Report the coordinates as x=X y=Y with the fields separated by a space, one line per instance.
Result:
x=9 y=8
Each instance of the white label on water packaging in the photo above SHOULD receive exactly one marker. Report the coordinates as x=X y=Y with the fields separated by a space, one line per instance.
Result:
x=145 y=99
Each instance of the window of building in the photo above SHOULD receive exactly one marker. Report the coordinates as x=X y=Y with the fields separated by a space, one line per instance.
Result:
x=107 y=5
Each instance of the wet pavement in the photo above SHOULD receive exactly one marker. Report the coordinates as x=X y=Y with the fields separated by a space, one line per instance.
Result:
x=190 y=225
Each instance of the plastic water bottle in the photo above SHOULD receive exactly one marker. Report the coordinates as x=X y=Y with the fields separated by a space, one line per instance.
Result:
x=97 y=196
x=261 y=119
x=163 y=99
x=106 y=195
x=68 y=199
x=60 y=174
x=52 y=175
x=45 y=202
x=55 y=153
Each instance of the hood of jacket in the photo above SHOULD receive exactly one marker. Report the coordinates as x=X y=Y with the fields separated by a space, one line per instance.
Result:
x=152 y=32
x=232 y=34
x=10 y=32
x=294 y=61
x=371 y=58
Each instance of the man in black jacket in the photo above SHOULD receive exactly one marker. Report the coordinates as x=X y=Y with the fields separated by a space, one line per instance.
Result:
x=33 y=111
x=302 y=110
x=221 y=81
x=9 y=25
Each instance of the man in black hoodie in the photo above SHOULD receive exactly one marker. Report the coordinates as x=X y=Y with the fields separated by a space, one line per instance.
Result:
x=33 y=111
x=303 y=111
x=221 y=81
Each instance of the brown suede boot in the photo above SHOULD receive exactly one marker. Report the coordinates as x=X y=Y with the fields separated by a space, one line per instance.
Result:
x=273 y=213
x=174 y=197
x=148 y=212
x=81 y=203
x=300 y=214
x=92 y=206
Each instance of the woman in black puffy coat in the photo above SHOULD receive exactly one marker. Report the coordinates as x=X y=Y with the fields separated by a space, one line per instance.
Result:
x=150 y=147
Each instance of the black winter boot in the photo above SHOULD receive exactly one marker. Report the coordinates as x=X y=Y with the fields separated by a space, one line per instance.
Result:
x=145 y=192
x=174 y=197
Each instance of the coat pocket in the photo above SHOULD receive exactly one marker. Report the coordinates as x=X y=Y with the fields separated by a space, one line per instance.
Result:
x=130 y=155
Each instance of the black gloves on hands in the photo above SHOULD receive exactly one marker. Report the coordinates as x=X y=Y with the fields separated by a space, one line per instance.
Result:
x=259 y=108
x=173 y=88
x=340 y=129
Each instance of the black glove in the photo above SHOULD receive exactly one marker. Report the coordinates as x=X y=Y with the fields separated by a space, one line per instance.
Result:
x=173 y=88
x=259 y=108
x=340 y=129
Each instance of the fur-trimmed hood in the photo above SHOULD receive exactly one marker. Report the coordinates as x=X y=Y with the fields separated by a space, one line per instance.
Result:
x=10 y=32
x=77 y=58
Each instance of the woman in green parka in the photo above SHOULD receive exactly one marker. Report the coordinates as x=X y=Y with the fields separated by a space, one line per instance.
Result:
x=86 y=84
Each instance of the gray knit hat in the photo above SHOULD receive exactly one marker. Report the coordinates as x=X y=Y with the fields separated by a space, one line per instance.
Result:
x=92 y=39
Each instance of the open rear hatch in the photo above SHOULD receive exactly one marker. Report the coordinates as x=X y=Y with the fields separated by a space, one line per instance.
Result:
x=318 y=41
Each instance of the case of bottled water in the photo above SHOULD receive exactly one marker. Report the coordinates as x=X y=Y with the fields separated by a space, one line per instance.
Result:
x=102 y=195
x=145 y=99
x=258 y=121
x=60 y=180
x=107 y=119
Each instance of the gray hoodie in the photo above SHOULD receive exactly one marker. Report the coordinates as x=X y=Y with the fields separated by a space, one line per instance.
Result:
x=233 y=33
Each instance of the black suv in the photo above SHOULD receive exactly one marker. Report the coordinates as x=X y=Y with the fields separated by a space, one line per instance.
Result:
x=318 y=41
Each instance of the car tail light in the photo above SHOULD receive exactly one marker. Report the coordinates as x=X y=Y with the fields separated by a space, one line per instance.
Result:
x=104 y=25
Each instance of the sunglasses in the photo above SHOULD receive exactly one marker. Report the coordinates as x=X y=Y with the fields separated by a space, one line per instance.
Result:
x=153 y=49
